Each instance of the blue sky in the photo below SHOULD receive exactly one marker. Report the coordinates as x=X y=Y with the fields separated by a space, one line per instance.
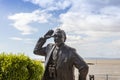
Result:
x=92 y=26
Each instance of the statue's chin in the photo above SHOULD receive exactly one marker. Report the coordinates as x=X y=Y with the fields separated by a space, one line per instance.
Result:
x=59 y=44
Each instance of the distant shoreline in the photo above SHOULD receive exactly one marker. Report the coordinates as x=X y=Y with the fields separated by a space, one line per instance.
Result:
x=102 y=58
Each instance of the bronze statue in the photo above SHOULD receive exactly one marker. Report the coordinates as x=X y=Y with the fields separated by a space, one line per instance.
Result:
x=60 y=59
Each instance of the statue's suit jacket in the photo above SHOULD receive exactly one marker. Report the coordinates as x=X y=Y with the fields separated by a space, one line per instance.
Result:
x=67 y=60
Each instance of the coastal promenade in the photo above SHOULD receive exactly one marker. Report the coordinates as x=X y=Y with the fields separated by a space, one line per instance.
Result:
x=103 y=69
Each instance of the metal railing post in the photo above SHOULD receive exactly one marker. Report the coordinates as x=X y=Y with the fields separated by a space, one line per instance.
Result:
x=106 y=76
x=91 y=77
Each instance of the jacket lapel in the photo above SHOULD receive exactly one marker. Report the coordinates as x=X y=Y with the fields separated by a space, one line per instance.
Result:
x=49 y=55
x=47 y=62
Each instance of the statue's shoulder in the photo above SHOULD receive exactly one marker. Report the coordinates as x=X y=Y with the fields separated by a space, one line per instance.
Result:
x=50 y=45
x=70 y=48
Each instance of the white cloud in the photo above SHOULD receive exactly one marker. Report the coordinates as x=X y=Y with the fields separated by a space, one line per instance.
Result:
x=16 y=38
x=75 y=21
x=91 y=21
x=43 y=3
x=93 y=27
x=22 y=20
x=116 y=43
x=24 y=40
x=51 y=4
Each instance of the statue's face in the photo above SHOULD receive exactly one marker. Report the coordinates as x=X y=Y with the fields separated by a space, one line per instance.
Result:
x=58 y=38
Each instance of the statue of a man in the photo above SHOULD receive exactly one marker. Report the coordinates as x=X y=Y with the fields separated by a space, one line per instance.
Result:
x=60 y=59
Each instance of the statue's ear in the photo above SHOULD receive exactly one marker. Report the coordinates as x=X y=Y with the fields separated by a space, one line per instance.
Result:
x=65 y=39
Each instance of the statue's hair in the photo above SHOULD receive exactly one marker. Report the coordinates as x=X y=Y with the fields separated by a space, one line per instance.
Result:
x=61 y=31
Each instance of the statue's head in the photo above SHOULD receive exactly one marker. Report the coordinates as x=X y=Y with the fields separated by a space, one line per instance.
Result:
x=59 y=36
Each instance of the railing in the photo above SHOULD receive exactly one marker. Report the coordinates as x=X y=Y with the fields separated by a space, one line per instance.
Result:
x=104 y=77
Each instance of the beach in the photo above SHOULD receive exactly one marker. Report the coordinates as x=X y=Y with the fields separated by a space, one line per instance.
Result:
x=103 y=69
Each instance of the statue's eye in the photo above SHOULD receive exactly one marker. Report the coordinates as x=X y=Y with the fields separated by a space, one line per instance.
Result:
x=58 y=35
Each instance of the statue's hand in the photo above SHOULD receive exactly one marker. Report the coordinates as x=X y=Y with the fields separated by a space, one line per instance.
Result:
x=48 y=34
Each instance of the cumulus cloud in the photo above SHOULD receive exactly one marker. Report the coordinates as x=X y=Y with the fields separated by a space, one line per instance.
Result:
x=92 y=27
x=105 y=21
x=16 y=38
x=51 y=4
x=25 y=40
x=22 y=20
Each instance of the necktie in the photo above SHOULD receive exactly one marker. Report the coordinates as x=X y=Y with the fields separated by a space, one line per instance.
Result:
x=55 y=53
